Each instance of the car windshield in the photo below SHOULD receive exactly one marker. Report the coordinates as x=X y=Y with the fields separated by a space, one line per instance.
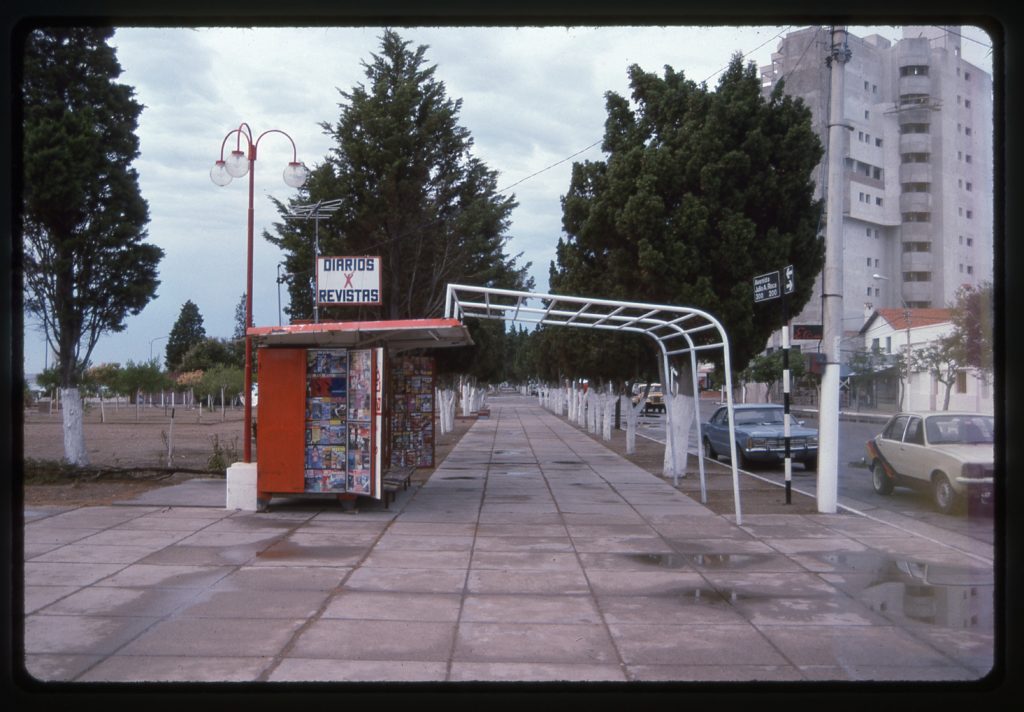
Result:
x=759 y=416
x=960 y=429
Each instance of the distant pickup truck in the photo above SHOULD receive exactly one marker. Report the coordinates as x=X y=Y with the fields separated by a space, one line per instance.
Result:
x=655 y=397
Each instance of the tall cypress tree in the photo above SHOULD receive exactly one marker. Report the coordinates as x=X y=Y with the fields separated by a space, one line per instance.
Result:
x=701 y=192
x=187 y=331
x=86 y=266
x=411 y=192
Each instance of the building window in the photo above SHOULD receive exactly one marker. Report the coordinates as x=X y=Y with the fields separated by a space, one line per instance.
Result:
x=970 y=269
x=961 y=382
x=878 y=201
x=967 y=158
x=878 y=142
x=967 y=130
x=915 y=157
x=913 y=99
x=917 y=276
x=967 y=103
x=867 y=114
x=915 y=128
x=917 y=247
x=967 y=76
x=914 y=70
x=917 y=217
x=916 y=187
x=970 y=241
x=970 y=186
x=970 y=214
x=869 y=291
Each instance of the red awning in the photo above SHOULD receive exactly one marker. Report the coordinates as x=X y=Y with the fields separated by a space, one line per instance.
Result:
x=397 y=335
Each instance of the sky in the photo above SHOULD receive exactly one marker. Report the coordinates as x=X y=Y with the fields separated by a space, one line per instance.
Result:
x=533 y=100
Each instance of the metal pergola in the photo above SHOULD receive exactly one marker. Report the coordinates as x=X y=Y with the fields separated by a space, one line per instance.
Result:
x=673 y=328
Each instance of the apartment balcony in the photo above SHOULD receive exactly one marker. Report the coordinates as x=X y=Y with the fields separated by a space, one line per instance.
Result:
x=915 y=173
x=915 y=143
x=915 y=202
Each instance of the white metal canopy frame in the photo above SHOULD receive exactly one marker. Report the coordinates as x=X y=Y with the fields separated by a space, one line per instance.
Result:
x=672 y=327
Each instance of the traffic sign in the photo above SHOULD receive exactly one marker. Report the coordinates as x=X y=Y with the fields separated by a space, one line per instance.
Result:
x=789 y=280
x=766 y=286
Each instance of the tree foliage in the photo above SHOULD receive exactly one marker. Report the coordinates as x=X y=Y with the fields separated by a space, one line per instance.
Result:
x=973 y=317
x=86 y=266
x=187 y=332
x=701 y=191
x=411 y=192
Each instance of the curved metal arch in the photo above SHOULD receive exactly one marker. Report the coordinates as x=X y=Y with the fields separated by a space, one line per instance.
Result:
x=665 y=324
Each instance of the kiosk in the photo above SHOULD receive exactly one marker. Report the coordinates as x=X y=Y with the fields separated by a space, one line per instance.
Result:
x=340 y=406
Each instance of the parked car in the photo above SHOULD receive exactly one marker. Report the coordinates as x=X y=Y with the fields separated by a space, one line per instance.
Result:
x=760 y=436
x=655 y=397
x=948 y=453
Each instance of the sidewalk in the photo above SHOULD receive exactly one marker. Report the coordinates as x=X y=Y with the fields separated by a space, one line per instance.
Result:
x=531 y=554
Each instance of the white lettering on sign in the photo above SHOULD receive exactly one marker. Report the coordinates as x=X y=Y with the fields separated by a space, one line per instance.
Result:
x=348 y=280
x=766 y=286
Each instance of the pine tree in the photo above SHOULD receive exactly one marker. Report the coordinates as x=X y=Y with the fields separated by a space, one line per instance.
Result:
x=411 y=192
x=188 y=331
x=85 y=264
x=701 y=192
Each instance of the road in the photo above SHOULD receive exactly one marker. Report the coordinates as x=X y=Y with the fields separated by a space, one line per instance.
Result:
x=855 y=490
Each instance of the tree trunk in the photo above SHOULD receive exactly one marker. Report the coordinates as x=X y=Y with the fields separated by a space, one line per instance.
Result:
x=74 y=432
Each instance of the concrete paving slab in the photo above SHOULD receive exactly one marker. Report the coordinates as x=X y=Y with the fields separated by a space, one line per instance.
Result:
x=586 y=644
x=375 y=640
x=177 y=668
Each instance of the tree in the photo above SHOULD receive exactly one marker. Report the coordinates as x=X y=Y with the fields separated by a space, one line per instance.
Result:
x=145 y=377
x=411 y=192
x=701 y=192
x=767 y=369
x=973 y=316
x=943 y=359
x=85 y=264
x=187 y=331
x=211 y=352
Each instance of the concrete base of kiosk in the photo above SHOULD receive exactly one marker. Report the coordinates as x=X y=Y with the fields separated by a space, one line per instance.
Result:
x=241 y=489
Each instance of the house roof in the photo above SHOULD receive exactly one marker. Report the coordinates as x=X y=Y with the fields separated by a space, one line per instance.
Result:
x=400 y=335
x=897 y=318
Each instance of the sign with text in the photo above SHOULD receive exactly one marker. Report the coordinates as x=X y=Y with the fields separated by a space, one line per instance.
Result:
x=767 y=286
x=348 y=280
x=808 y=332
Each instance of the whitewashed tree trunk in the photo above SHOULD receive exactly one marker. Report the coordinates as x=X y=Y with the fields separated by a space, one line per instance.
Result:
x=609 y=416
x=74 y=431
x=677 y=431
x=632 y=420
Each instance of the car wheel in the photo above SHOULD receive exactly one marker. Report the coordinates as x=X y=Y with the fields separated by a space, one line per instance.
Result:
x=741 y=460
x=709 y=451
x=945 y=496
x=881 y=483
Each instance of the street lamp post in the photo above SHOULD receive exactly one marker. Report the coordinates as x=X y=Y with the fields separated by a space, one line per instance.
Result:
x=151 y=342
x=906 y=317
x=235 y=166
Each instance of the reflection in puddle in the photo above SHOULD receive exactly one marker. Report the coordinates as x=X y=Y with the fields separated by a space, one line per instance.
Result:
x=903 y=590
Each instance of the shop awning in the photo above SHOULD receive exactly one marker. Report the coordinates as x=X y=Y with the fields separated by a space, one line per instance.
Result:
x=397 y=335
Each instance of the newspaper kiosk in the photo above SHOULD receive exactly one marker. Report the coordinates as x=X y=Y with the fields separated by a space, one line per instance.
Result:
x=340 y=405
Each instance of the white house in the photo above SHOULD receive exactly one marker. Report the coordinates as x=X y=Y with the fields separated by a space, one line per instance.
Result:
x=893 y=331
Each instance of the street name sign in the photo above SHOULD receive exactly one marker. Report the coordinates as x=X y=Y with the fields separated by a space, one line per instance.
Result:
x=767 y=286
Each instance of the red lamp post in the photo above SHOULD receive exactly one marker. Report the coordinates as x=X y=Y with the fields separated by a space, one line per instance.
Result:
x=235 y=166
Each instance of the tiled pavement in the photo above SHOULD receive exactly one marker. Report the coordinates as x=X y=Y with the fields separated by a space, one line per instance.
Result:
x=531 y=554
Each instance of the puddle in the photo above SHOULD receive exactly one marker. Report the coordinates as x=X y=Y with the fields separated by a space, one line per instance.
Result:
x=905 y=591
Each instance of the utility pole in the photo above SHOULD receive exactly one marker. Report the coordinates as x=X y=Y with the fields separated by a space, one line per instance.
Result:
x=832 y=280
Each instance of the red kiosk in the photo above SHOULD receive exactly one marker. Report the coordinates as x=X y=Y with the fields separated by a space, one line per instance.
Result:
x=340 y=406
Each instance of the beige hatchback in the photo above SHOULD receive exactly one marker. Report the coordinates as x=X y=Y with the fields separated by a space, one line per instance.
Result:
x=951 y=454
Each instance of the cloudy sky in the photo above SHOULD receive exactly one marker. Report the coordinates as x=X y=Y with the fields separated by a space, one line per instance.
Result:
x=533 y=100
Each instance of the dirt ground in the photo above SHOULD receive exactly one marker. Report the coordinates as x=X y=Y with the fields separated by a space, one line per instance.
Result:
x=128 y=454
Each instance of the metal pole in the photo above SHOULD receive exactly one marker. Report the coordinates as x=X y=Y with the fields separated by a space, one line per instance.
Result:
x=832 y=282
x=785 y=399
x=247 y=417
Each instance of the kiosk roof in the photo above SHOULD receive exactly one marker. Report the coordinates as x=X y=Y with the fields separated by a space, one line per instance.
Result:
x=397 y=335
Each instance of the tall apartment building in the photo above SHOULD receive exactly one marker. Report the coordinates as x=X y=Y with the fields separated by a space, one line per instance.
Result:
x=918 y=181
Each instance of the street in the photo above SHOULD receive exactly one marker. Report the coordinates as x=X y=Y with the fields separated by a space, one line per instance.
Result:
x=855 y=490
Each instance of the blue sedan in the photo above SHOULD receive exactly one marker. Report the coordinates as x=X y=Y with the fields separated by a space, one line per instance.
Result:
x=760 y=436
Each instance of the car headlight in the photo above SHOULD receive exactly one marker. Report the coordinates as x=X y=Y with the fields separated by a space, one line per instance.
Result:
x=753 y=443
x=976 y=469
x=813 y=440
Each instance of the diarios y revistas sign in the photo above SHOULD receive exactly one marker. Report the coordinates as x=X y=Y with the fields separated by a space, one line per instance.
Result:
x=348 y=280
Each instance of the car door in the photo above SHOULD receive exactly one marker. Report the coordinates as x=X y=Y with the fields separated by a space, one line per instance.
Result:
x=717 y=431
x=909 y=460
x=890 y=442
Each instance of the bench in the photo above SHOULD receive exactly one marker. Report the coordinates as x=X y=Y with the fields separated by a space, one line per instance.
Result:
x=394 y=479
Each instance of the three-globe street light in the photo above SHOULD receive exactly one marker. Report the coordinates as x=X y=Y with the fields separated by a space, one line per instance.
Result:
x=236 y=165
